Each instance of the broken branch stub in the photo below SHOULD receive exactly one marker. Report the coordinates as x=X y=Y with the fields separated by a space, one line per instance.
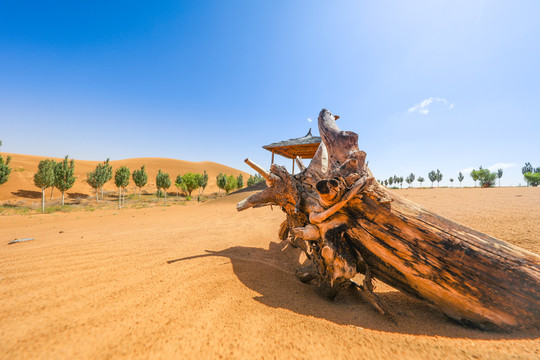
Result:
x=347 y=223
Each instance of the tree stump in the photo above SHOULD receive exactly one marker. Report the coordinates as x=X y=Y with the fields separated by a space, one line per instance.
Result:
x=347 y=223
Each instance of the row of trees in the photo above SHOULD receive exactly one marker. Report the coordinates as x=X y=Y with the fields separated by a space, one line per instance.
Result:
x=61 y=175
x=484 y=176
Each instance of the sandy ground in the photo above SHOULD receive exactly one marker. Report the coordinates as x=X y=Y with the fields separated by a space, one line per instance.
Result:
x=203 y=281
x=20 y=188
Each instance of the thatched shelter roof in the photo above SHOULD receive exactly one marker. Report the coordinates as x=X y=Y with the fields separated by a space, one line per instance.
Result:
x=304 y=147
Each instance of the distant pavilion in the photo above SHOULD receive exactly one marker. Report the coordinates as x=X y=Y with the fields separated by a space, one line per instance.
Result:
x=304 y=147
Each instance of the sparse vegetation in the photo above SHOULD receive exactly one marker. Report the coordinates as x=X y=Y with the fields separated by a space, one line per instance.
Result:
x=140 y=178
x=64 y=175
x=485 y=177
x=439 y=178
x=254 y=179
x=163 y=181
x=44 y=178
x=178 y=183
x=432 y=177
x=204 y=181
x=240 y=181
x=99 y=177
x=121 y=180
x=533 y=179
x=221 y=181
x=531 y=174
x=5 y=170
x=190 y=182
x=231 y=184
x=527 y=169
x=410 y=179
x=474 y=176
x=460 y=178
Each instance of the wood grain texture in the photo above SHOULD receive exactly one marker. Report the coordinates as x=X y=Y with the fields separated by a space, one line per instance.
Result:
x=347 y=223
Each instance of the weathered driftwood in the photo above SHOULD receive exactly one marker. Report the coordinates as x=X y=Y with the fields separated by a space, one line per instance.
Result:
x=347 y=223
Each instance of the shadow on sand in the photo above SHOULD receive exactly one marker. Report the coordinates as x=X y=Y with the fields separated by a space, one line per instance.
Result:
x=271 y=274
x=28 y=194
x=76 y=195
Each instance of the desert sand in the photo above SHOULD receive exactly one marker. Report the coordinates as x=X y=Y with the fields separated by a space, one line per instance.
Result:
x=20 y=188
x=204 y=281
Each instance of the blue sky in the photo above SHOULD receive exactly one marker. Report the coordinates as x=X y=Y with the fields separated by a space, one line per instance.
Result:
x=426 y=84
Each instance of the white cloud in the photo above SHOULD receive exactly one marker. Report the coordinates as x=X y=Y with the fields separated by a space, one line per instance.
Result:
x=497 y=166
x=309 y=120
x=423 y=107
x=491 y=168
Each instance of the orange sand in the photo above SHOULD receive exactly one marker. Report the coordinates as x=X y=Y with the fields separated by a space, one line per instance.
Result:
x=203 y=281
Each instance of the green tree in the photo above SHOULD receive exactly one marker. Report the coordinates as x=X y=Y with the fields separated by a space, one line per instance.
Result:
x=485 y=177
x=499 y=175
x=532 y=178
x=474 y=175
x=178 y=183
x=97 y=178
x=205 y=181
x=528 y=168
x=163 y=181
x=108 y=174
x=44 y=177
x=460 y=178
x=92 y=180
x=5 y=170
x=121 y=180
x=140 y=178
x=64 y=174
x=410 y=179
x=231 y=184
x=439 y=177
x=200 y=181
x=105 y=174
x=386 y=182
x=221 y=181
x=100 y=176
x=240 y=181
x=452 y=182
x=254 y=179
x=421 y=180
x=390 y=180
x=190 y=182
x=432 y=177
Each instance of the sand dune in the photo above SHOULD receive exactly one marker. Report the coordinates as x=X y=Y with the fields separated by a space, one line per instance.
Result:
x=21 y=186
x=203 y=281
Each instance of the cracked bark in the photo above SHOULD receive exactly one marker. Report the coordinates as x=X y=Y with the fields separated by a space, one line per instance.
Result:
x=347 y=223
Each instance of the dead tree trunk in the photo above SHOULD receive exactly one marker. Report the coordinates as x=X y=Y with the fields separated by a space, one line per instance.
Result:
x=347 y=223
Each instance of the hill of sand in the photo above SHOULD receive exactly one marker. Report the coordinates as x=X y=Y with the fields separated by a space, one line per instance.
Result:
x=203 y=281
x=20 y=185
